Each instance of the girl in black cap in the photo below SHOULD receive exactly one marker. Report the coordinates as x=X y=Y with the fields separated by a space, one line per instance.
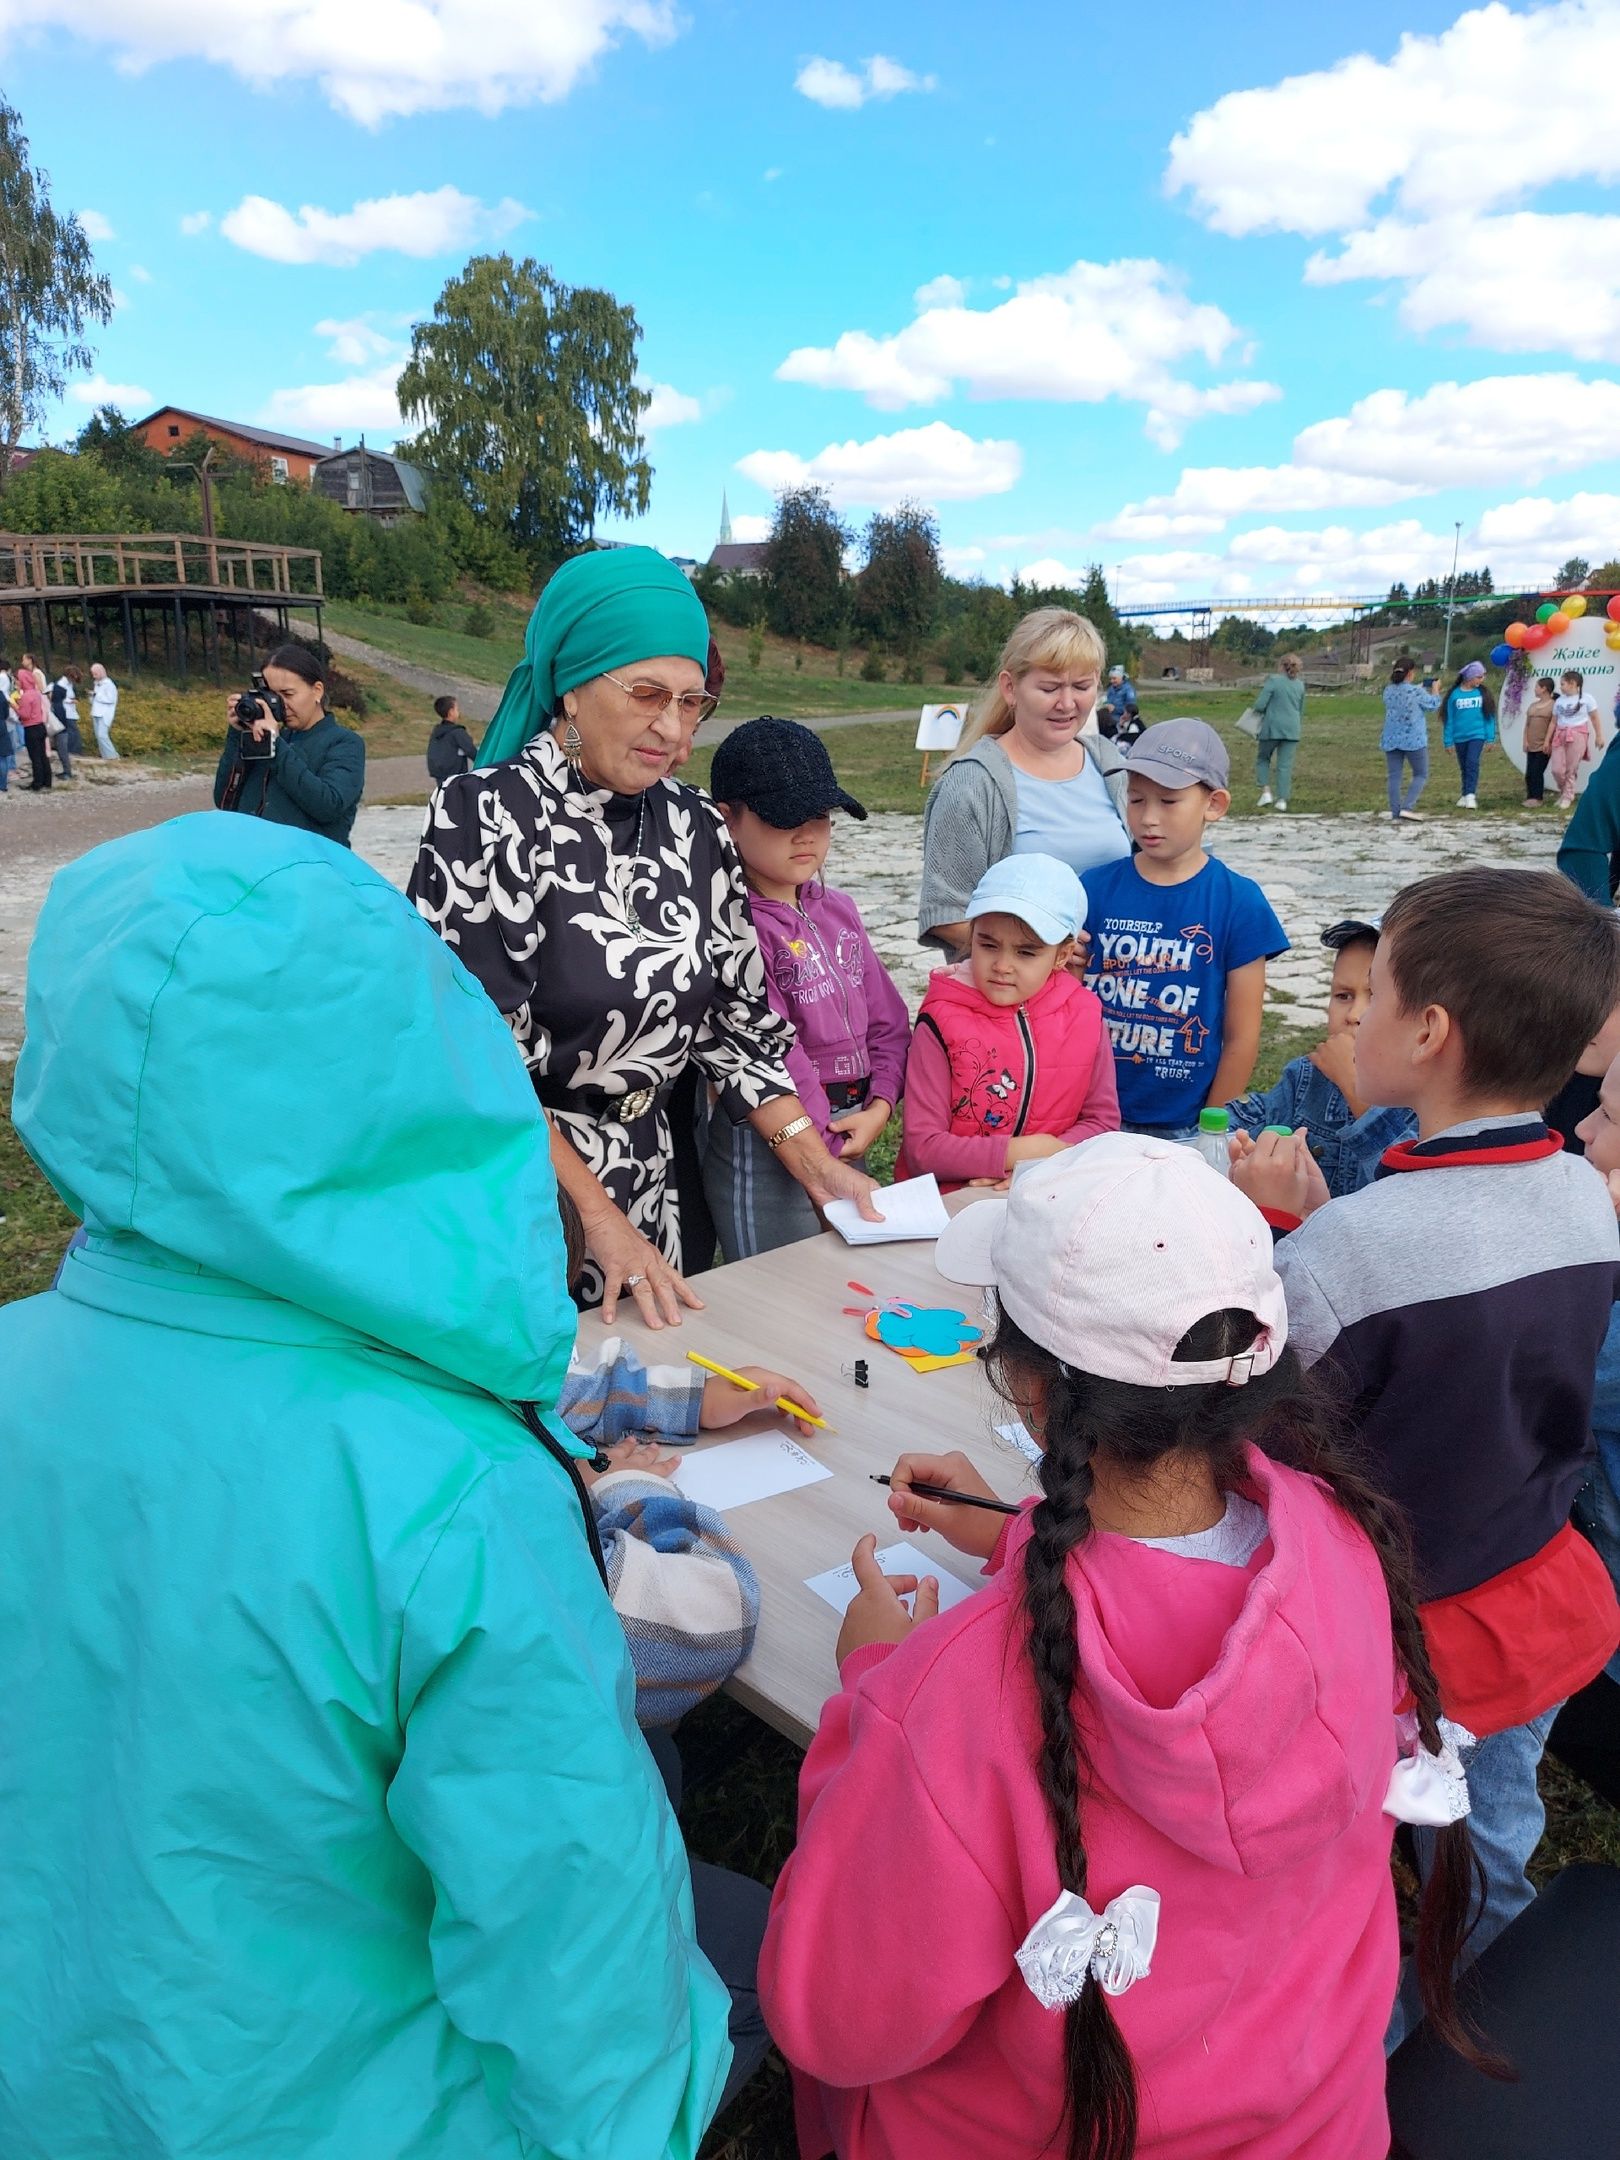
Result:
x=776 y=786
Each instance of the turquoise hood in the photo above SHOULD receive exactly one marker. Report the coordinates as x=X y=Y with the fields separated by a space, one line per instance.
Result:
x=245 y=1048
x=328 y=1829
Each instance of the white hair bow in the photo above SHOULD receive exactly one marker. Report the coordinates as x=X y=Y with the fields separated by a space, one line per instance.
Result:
x=1426 y=1787
x=1070 y=1942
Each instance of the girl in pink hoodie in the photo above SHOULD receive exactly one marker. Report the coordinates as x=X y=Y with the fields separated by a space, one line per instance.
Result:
x=1098 y=1863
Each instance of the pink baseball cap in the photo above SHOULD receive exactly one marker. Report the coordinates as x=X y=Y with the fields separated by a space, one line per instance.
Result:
x=1108 y=1253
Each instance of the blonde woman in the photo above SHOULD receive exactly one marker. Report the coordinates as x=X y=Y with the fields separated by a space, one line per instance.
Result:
x=1026 y=779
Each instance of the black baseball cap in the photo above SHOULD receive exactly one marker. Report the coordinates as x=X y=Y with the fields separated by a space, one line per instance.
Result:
x=1340 y=934
x=780 y=771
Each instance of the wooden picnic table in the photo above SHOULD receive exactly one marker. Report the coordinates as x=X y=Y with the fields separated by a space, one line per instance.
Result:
x=784 y=1310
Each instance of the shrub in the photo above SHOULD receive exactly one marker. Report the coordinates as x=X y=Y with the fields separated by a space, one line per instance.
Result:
x=872 y=666
x=478 y=622
x=756 y=648
x=418 y=607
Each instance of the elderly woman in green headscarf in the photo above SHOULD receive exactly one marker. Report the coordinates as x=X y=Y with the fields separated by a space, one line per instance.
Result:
x=601 y=904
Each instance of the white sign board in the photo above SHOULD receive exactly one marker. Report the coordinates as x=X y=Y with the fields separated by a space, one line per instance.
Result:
x=1583 y=647
x=940 y=727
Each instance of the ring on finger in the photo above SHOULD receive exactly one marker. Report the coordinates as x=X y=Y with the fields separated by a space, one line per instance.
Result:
x=632 y=1282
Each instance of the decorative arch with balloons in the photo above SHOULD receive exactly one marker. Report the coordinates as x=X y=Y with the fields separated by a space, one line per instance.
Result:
x=1579 y=631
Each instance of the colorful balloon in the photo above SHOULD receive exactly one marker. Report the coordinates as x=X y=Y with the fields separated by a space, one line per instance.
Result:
x=1613 y=609
x=1547 y=608
x=1574 y=605
x=1516 y=632
x=1535 y=636
x=1557 y=622
x=1502 y=654
x=1611 y=637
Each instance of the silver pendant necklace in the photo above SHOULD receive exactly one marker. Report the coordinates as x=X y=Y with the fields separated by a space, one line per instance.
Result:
x=632 y=919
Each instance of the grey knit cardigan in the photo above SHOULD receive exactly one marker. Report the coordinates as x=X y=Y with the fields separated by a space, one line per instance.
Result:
x=970 y=820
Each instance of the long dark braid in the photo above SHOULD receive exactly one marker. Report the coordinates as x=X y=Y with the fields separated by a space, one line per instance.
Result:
x=1290 y=1418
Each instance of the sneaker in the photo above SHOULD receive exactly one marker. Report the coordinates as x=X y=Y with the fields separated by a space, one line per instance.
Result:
x=1469 y=803
x=1281 y=806
x=1265 y=799
x=1413 y=817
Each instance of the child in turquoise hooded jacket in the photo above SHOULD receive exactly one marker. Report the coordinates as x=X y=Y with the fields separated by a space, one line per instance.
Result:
x=328 y=1829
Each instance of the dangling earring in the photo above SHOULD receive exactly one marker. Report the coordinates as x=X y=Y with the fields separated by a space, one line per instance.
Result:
x=573 y=743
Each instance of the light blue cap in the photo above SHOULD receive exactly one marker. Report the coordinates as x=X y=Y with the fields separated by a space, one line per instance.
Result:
x=1038 y=889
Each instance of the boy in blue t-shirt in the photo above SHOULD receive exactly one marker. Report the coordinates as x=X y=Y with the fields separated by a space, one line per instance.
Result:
x=1179 y=943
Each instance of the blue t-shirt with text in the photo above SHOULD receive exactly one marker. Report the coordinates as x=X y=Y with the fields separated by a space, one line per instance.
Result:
x=1160 y=956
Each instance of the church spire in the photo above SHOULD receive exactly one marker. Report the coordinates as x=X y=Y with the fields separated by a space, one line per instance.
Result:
x=725 y=520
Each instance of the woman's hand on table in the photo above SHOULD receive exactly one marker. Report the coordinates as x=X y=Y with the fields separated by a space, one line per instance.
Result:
x=631 y=1262
x=861 y=1127
x=826 y=1178
x=649 y=1456
x=724 y=1404
x=876 y=1615
x=970 y=1529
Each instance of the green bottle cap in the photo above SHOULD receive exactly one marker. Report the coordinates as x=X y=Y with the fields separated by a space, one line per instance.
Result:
x=1287 y=1131
x=1214 y=1121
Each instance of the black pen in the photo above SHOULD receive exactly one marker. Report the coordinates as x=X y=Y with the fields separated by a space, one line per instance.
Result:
x=939 y=1492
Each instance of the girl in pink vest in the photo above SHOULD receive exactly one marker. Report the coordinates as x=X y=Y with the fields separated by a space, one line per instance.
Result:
x=1011 y=1058
x=1097 y=1863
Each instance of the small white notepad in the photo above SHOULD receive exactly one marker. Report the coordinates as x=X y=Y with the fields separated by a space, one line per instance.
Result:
x=734 y=1472
x=837 y=1587
x=909 y=1210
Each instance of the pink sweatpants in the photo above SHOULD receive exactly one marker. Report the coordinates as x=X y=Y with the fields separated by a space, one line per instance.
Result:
x=1568 y=749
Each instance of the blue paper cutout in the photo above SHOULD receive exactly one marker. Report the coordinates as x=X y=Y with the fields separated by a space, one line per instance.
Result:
x=934 y=1330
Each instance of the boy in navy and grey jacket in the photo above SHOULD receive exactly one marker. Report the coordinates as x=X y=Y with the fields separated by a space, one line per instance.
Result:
x=1318 y=1091
x=1462 y=1300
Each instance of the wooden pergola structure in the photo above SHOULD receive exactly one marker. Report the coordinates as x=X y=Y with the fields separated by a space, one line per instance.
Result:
x=84 y=592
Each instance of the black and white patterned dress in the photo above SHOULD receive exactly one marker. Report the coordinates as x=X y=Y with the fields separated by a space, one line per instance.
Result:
x=613 y=965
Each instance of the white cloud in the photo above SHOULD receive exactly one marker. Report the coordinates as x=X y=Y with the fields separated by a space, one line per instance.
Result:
x=958 y=560
x=1534 y=530
x=366 y=400
x=95 y=226
x=196 y=221
x=1524 y=282
x=360 y=338
x=1392 y=446
x=934 y=463
x=771 y=172
x=842 y=89
x=140 y=273
x=130 y=398
x=375 y=60
x=1093 y=331
x=436 y=223
x=669 y=407
x=942 y=291
x=746 y=525
x=1441 y=128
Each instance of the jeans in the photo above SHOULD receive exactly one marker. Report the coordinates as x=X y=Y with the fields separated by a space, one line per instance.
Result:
x=104 y=741
x=1418 y=760
x=756 y=1205
x=730 y=1912
x=1282 y=748
x=6 y=763
x=1505 y=1828
x=1468 y=757
x=1535 y=776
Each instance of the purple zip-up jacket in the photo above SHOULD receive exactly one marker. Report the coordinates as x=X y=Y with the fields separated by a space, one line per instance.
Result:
x=849 y=1020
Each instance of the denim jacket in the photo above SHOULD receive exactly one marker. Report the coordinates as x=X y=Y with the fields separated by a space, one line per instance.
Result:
x=1347 y=1148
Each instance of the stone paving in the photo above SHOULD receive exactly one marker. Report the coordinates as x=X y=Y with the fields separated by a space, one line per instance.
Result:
x=1314 y=870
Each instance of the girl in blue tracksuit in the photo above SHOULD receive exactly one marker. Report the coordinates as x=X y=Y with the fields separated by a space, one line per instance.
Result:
x=1470 y=723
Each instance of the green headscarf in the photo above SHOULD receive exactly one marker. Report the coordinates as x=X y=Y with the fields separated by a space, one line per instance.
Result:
x=600 y=611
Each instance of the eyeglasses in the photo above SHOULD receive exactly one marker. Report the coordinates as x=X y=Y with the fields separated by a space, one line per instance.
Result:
x=692 y=706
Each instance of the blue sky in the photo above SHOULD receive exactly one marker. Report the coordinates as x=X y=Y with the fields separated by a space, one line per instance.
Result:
x=1238 y=302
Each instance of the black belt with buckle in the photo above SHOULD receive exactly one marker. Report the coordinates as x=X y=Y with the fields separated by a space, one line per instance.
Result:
x=598 y=1103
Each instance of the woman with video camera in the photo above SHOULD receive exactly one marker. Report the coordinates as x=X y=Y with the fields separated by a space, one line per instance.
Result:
x=285 y=758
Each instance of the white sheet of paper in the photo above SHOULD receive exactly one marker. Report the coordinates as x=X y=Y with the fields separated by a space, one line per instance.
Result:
x=838 y=1585
x=1021 y=1441
x=733 y=1472
x=939 y=727
x=909 y=1210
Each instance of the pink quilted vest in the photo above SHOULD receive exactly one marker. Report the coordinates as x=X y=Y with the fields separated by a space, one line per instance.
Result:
x=1014 y=1068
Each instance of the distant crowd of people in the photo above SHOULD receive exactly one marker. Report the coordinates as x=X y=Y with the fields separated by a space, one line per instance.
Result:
x=40 y=718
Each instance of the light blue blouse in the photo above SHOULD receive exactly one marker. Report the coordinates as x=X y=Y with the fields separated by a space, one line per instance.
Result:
x=1075 y=820
x=1407 y=706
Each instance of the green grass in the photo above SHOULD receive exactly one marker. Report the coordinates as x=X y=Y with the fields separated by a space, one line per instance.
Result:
x=777 y=685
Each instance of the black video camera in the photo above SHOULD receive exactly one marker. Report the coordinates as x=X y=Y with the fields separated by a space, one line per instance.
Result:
x=259 y=703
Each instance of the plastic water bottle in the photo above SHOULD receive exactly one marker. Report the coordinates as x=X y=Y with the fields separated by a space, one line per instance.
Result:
x=1213 y=1143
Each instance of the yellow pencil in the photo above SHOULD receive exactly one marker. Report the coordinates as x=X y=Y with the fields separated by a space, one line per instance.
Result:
x=737 y=1379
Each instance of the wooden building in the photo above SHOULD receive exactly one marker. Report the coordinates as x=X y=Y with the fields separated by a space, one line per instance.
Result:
x=372 y=483
x=287 y=457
